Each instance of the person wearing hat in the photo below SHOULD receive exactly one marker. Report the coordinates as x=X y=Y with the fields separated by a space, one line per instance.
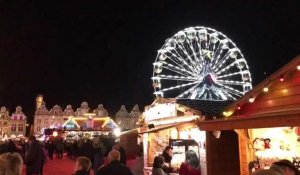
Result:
x=282 y=167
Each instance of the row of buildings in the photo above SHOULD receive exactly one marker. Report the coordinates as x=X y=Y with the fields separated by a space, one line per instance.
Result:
x=82 y=118
x=12 y=124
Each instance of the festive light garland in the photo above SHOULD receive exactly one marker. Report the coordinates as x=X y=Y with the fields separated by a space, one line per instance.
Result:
x=252 y=98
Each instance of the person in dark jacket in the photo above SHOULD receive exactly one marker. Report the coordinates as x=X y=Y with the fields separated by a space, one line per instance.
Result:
x=168 y=155
x=114 y=167
x=50 y=147
x=98 y=159
x=83 y=165
x=34 y=156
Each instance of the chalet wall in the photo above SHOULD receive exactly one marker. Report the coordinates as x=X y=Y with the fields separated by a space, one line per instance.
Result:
x=223 y=154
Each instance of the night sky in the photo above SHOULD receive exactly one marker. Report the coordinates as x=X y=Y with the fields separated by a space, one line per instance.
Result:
x=102 y=51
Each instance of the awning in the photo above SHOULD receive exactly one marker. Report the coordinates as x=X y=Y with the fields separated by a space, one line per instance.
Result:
x=189 y=124
x=261 y=120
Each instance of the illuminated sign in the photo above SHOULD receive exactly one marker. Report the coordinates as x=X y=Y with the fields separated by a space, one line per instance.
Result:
x=160 y=111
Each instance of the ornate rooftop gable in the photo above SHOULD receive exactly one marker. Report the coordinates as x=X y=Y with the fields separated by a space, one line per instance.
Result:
x=136 y=113
x=56 y=110
x=42 y=110
x=83 y=109
x=18 y=114
x=101 y=111
x=69 y=110
x=122 y=112
x=4 y=113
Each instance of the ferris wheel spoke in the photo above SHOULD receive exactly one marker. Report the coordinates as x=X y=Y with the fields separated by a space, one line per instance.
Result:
x=178 y=86
x=188 y=56
x=175 y=71
x=228 y=94
x=181 y=69
x=181 y=59
x=230 y=89
x=196 y=60
x=187 y=91
x=230 y=82
x=233 y=74
x=230 y=65
x=176 y=77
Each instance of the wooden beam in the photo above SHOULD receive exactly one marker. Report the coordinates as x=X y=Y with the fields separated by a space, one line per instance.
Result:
x=251 y=122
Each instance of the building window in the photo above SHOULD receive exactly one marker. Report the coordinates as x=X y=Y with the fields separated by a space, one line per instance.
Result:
x=38 y=128
x=39 y=120
x=15 y=117
x=4 y=123
x=21 y=117
x=20 y=128
x=46 y=120
x=13 y=127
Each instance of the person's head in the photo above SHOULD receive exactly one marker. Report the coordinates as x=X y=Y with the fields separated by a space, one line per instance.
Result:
x=158 y=162
x=82 y=163
x=192 y=159
x=287 y=167
x=113 y=155
x=169 y=151
x=31 y=139
x=11 y=164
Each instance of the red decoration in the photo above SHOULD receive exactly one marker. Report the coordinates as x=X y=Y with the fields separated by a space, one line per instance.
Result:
x=281 y=78
x=297 y=131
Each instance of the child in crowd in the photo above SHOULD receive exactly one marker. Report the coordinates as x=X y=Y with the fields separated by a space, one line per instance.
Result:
x=83 y=165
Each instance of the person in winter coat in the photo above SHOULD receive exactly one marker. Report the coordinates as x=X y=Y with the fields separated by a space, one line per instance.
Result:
x=83 y=165
x=114 y=167
x=157 y=166
x=191 y=166
x=34 y=156
x=282 y=167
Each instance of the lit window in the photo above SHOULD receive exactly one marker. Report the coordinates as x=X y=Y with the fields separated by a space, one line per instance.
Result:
x=20 y=128
x=13 y=127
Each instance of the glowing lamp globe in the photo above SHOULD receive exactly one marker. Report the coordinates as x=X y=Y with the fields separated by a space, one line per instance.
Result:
x=266 y=89
x=251 y=99
x=55 y=133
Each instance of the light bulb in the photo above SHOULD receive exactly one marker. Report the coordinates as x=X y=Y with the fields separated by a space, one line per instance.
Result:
x=266 y=89
x=251 y=99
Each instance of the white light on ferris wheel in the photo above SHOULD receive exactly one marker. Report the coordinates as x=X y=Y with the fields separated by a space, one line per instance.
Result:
x=200 y=63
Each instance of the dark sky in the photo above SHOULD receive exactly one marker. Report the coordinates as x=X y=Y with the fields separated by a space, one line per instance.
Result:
x=102 y=51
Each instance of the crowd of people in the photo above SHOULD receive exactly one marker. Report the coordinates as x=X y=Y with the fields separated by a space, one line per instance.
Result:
x=89 y=158
x=89 y=155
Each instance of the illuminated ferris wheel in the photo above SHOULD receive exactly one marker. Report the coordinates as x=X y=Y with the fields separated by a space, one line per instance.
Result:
x=200 y=63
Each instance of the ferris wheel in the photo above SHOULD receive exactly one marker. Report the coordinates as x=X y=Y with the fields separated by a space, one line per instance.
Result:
x=200 y=63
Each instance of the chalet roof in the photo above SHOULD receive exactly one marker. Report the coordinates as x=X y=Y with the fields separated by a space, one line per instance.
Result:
x=276 y=103
x=208 y=108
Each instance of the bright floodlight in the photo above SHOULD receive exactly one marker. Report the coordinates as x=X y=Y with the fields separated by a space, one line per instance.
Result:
x=117 y=132
x=200 y=63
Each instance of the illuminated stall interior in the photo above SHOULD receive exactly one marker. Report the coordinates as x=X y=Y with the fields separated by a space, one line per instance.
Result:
x=267 y=120
x=169 y=122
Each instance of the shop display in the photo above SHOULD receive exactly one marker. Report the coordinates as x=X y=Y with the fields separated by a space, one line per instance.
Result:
x=180 y=146
x=273 y=144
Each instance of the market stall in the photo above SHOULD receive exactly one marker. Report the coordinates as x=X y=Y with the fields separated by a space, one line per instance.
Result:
x=165 y=123
x=267 y=120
